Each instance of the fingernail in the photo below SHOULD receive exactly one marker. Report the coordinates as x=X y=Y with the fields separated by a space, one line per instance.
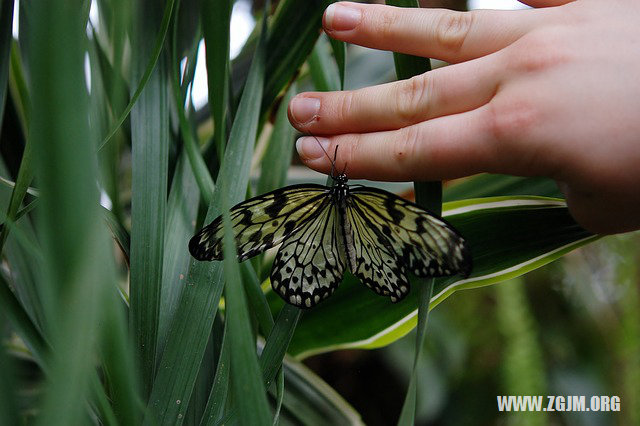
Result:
x=304 y=109
x=311 y=148
x=342 y=16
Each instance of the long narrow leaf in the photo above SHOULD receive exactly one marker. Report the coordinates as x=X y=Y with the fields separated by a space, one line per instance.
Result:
x=193 y=319
x=277 y=157
x=148 y=71
x=429 y=196
x=216 y=16
x=218 y=397
x=6 y=21
x=78 y=266
x=249 y=393
x=21 y=323
x=150 y=149
x=292 y=35
x=200 y=171
x=182 y=208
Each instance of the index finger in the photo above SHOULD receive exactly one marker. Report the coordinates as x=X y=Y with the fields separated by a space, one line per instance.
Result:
x=437 y=33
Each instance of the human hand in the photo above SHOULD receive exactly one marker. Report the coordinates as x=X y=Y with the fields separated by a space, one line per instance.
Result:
x=540 y=92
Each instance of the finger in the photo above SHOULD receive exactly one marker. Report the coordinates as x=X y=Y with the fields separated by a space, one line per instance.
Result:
x=545 y=3
x=449 y=90
x=443 y=148
x=435 y=33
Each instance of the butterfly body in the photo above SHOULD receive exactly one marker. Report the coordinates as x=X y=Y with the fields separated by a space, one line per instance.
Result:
x=322 y=230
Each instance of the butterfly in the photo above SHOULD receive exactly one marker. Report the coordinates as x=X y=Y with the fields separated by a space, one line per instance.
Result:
x=323 y=230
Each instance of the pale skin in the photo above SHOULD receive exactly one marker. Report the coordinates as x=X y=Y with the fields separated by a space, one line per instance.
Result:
x=552 y=91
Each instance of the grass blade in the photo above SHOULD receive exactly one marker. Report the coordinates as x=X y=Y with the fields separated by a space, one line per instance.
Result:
x=148 y=70
x=13 y=311
x=198 y=304
x=214 y=410
x=78 y=267
x=150 y=151
x=216 y=16
x=200 y=171
x=249 y=393
x=277 y=156
x=6 y=21
x=324 y=72
x=21 y=261
x=340 y=54
x=278 y=342
x=274 y=350
x=8 y=405
x=292 y=35
x=429 y=196
x=182 y=209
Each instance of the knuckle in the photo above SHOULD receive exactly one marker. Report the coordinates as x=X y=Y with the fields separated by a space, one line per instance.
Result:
x=511 y=126
x=452 y=29
x=386 y=27
x=345 y=105
x=348 y=152
x=537 y=51
x=404 y=146
x=412 y=99
x=511 y=120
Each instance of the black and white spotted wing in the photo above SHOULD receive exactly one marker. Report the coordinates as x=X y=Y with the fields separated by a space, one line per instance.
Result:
x=310 y=263
x=428 y=245
x=261 y=222
x=377 y=235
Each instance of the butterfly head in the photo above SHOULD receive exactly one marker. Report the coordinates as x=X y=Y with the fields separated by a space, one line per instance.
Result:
x=341 y=179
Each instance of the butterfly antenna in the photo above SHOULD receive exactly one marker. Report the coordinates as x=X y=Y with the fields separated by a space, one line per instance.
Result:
x=344 y=171
x=335 y=155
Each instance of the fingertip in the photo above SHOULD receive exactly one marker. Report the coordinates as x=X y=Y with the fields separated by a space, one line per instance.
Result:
x=311 y=148
x=342 y=16
x=303 y=110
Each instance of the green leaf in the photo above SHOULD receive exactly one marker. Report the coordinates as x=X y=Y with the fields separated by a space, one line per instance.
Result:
x=216 y=16
x=340 y=54
x=257 y=302
x=200 y=170
x=156 y=50
x=8 y=412
x=191 y=325
x=13 y=311
x=150 y=163
x=278 y=342
x=490 y=185
x=309 y=400
x=292 y=35
x=322 y=66
x=429 y=196
x=508 y=236
x=78 y=273
x=182 y=208
x=274 y=349
x=277 y=157
x=6 y=24
x=19 y=90
x=23 y=263
x=249 y=394
x=218 y=397
x=25 y=174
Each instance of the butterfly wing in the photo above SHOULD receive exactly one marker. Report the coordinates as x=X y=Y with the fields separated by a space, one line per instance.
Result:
x=371 y=256
x=427 y=245
x=261 y=222
x=310 y=263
